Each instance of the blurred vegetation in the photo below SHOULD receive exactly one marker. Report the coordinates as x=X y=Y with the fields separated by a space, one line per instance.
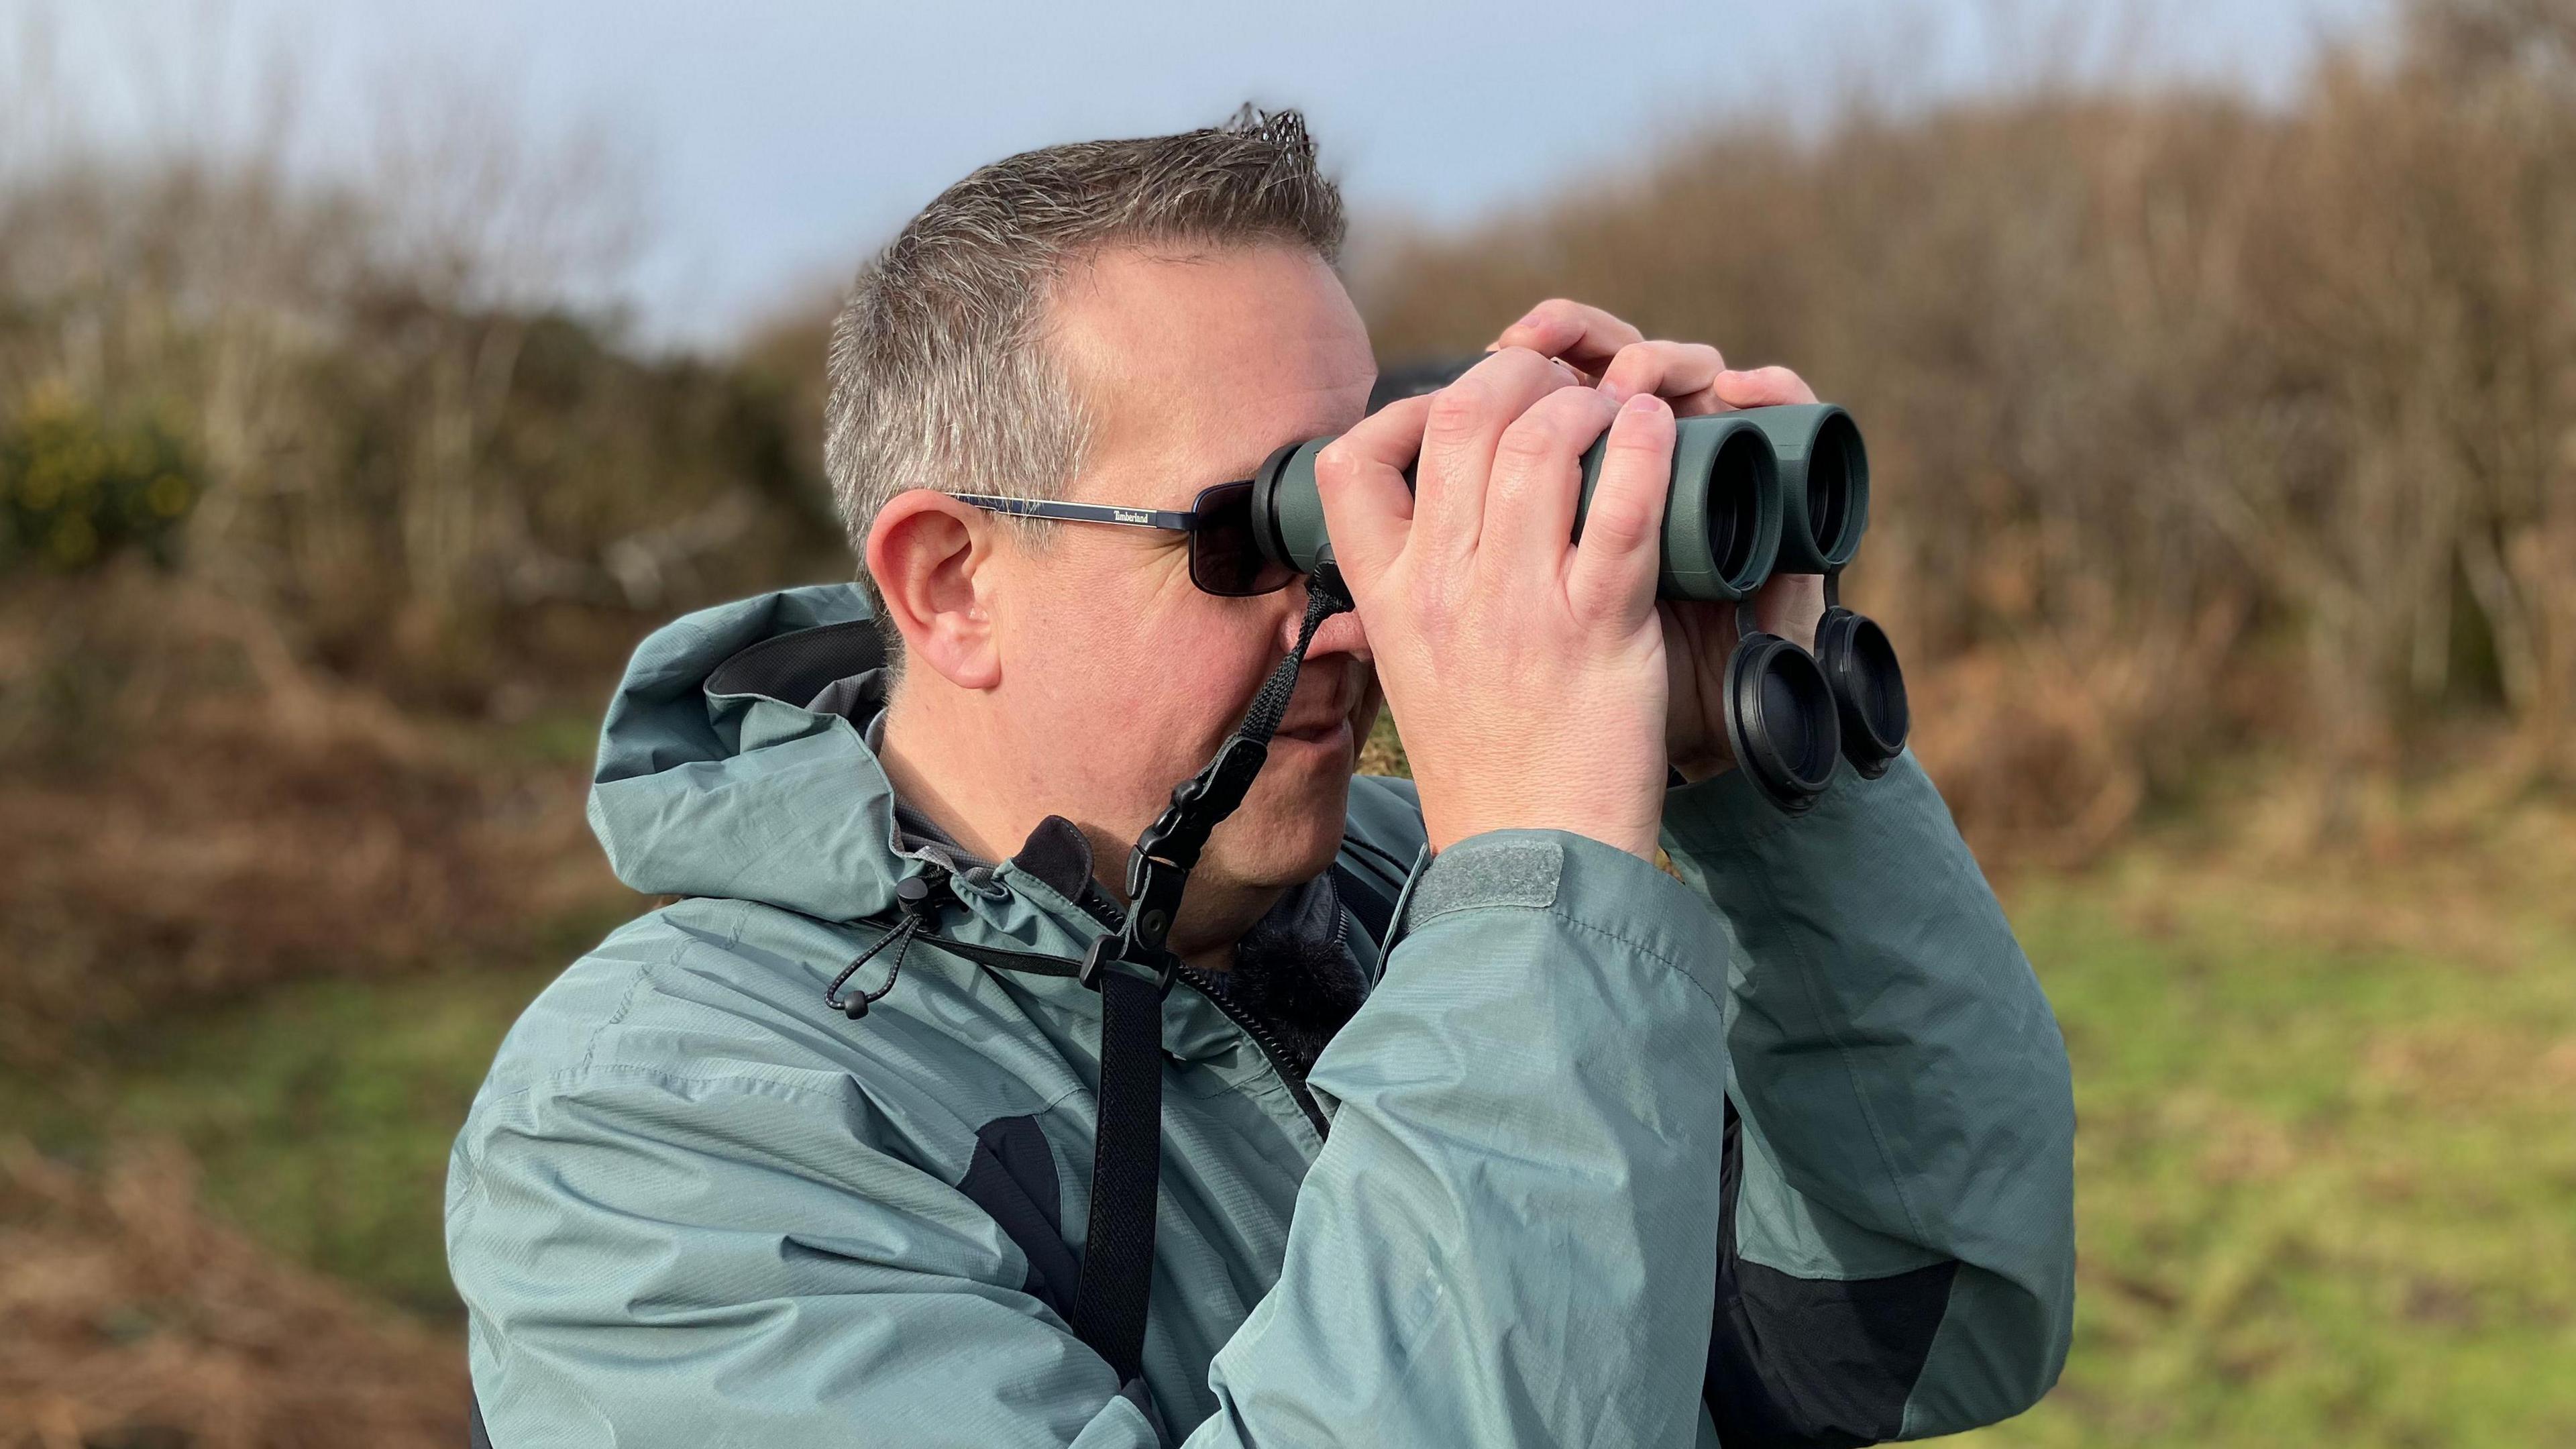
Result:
x=2323 y=1172
x=2206 y=429
x=308 y=503
x=451 y=500
x=2227 y=520
x=77 y=489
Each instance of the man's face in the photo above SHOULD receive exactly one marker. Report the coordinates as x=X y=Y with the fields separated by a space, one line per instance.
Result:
x=1122 y=676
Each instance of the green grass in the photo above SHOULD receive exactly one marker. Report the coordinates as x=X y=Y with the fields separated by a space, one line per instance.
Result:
x=2327 y=1186
x=2325 y=1192
x=320 y=1115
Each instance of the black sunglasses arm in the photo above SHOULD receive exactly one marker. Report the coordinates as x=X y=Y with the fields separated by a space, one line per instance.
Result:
x=1164 y=518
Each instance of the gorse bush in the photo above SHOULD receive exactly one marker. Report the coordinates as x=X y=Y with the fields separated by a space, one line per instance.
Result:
x=77 y=488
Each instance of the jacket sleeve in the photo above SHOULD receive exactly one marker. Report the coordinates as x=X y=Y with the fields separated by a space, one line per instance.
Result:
x=1898 y=1197
x=1510 y=1236
x=658 y=1259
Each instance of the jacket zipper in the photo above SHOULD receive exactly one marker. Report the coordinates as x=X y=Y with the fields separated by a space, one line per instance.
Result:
x=1110 y=916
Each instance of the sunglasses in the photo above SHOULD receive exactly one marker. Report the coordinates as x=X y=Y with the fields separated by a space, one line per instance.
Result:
x=1224 y=559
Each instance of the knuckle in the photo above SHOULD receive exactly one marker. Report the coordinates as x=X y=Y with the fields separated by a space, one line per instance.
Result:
x=1462 y=407
x=1336 y=464
x=1525 y=446
x=1637 y=445
x=1522 y=366
x=1549 y=432
x=1618 y=525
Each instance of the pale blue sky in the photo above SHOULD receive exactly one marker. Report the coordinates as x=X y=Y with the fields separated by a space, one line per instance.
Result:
x=773 y=142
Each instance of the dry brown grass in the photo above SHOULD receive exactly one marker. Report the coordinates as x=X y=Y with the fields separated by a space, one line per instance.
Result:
x=193 y=814
x=135 y=1321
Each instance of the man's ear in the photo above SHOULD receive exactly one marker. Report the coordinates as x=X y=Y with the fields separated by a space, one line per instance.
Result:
x=933 y=561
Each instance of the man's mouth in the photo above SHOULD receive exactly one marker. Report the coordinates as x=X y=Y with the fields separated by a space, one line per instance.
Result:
x=1319 y=713
x=1315 y=727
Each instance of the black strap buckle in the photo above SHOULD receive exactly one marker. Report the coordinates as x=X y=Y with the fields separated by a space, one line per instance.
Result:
x=1115 y=948
x=1199 y=804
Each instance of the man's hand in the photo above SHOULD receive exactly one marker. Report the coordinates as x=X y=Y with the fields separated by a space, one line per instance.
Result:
x=1698 y=638
x=1527 y=672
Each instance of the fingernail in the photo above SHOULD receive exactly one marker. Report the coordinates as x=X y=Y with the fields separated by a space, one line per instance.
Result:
x=1643 y=402
x=1528 y=320
x=1617 y=392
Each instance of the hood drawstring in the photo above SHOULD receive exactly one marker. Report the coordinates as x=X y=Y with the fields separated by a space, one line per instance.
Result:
x=913 y=893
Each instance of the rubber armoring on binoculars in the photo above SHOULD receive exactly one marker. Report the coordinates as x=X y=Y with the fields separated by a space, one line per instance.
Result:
x=1753 y=492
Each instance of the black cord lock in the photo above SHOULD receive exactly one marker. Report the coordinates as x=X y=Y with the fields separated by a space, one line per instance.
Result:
x=918 y=897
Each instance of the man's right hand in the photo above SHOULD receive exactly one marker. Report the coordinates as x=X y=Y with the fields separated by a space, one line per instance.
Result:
x=1526 y=671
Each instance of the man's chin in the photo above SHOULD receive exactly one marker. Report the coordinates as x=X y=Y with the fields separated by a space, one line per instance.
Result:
x=1268 y=850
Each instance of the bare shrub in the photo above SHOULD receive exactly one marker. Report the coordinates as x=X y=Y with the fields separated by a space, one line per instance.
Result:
x=417 y=485
x=418 y=461
x=2205 y=428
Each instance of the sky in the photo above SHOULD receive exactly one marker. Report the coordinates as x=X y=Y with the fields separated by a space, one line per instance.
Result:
x=761 y=148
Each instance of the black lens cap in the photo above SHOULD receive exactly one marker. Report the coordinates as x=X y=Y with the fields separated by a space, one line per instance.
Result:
x=1869 y=690
x=1780 y=718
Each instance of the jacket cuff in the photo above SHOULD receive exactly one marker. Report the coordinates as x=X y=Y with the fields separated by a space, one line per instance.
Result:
x=1576 y=878
x=1726 y=812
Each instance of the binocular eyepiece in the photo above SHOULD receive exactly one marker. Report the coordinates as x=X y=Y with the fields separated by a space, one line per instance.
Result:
x=1757 y=492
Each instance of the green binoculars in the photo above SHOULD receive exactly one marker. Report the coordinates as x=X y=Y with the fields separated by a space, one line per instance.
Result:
x=1757 y=492
x=1768 y=489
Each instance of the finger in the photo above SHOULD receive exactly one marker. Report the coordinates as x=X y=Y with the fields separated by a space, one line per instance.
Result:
x=1465 y=423
x=1761 y=387
x=1678 y=372
x=1360 y=476
x=1791 y=605
x=1538 y=476
x=1585 y=336
x=1614 y=569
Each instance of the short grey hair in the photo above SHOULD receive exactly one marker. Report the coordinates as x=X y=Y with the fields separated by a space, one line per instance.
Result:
x=940 y=373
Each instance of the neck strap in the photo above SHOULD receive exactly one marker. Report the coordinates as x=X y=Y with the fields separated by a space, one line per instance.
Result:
x=1169 y=848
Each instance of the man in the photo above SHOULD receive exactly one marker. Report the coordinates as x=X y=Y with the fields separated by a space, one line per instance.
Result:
x=1561 y=1150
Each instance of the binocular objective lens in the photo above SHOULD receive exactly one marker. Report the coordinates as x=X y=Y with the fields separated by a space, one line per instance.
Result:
x=1735 y=506
x=1831 y=478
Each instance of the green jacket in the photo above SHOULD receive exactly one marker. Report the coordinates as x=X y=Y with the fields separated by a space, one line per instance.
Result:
x=1780 y=1156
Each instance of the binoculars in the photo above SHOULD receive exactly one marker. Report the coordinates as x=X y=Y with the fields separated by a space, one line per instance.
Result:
x=1757 y=492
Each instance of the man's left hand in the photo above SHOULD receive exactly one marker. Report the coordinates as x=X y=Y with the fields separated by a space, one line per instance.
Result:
x=1694 y=378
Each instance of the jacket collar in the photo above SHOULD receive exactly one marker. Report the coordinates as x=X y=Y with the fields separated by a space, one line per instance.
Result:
x=727 y=767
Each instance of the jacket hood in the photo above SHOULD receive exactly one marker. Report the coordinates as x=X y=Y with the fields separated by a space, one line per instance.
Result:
x=714 y=778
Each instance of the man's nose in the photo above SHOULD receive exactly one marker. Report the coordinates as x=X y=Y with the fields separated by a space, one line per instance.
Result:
x=1340 y=634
